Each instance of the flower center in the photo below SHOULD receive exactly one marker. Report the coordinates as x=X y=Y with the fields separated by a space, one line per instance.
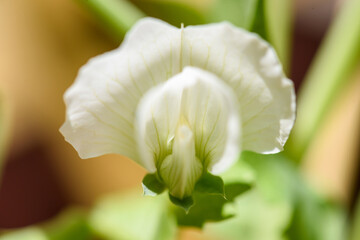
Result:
x=187 y=126
x=181 y=169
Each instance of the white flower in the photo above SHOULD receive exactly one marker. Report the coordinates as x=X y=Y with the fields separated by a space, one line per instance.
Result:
x=181 y=102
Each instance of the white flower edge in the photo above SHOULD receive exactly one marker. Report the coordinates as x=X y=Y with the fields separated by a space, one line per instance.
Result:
x=102 y=103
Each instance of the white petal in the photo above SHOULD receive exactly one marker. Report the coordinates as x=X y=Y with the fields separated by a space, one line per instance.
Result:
x=202 y=102
x=250 y=66
x=210 y=109
x=181 y=169
x=102 y=102
x=156 y=120
x=99 y=114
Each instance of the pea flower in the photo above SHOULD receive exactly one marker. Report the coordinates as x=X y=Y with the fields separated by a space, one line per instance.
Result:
x=181 y=102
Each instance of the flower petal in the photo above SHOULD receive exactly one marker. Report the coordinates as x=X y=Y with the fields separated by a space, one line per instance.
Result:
x=101 y=104
x=99 y=114
x=250 y=66
x=210 y=109
x=181 y=169
x=200 y=101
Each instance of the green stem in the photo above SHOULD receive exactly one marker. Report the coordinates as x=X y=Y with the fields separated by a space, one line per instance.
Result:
x=117 y=15
x=330 y=71
x=278 y=16
x=355 y=228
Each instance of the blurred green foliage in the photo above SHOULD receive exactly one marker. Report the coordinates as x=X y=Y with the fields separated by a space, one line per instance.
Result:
x=328 y=75
x=209 y=207
x=278 y=19
x=240 y=13
x=210 y=198
x=281 y=206
x=71 y=224
x=116 y=16
x=133 y=216
x=30 y=233
x=271 y=19
x=174 y=12
x=355 y=233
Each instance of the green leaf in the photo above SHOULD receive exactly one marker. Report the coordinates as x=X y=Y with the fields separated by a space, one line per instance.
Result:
x=117 y=16
x=209 y=207
x=185 y=203
x=233 y=190
x=71 y=224
x=278 y=15
x=172 y=12
x=210 y=184
x=133 y=216
x=30 y=233
x=259 y=25
x=316 y=219
x=355 y=230
x=241 y=172
x=279 y=206
x=206 y=208
x=152 y=185
x=328 y=75
x=276 y=176
x=271 y=19
x=239 y=12
x=263 y=212
x=254 y=218
x=211 y=195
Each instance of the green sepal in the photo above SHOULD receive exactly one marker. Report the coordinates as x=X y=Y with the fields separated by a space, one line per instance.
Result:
x=209 y=207
x=186 y=203
x=232 y=190
x=213 y=193
x=210 y=184
x=152 y=186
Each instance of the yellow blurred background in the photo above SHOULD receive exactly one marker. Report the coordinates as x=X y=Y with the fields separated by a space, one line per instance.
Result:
x=43 y=43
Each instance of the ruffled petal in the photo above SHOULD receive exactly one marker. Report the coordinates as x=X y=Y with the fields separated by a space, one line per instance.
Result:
x=251 y=68
x=102 y=102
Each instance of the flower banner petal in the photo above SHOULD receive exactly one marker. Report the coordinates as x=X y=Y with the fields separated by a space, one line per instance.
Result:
x=250 y=66
x=223 y=85
x=101 y=104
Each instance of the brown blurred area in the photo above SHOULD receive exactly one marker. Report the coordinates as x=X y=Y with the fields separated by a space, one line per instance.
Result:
x=42 y=45
x=331 y=164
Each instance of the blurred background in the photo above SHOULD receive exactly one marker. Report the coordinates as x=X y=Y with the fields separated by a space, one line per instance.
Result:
x=43 y=44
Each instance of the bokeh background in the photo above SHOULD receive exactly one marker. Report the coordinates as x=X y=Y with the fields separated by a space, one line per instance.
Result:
x=43 y=43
